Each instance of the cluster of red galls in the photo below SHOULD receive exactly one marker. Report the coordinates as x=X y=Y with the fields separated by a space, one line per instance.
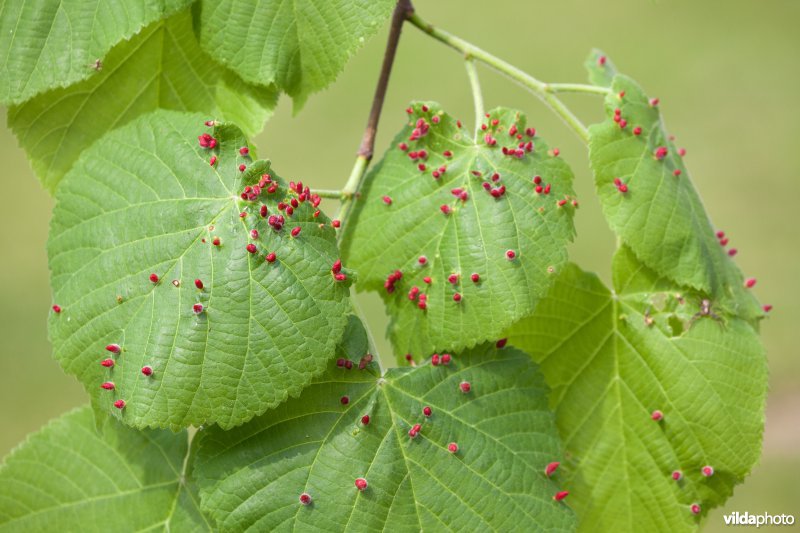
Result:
x=465 y=387
x=109 y=363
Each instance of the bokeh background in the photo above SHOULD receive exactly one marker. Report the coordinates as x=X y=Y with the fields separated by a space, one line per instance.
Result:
x=727 y=73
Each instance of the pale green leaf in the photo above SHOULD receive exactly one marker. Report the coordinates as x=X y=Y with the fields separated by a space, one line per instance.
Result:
x=161 y=67
x=72 y=476
x=252 y=476
x=473 y=239
x=612 y=359
x=600 y=68
x=660 y=216
x=144 y=200
x=298 y=45
x=54 y=43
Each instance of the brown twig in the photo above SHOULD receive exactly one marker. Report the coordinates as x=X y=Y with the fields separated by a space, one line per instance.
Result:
x=402 y=10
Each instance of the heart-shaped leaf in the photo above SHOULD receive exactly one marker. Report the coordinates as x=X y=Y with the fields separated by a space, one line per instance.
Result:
x=174 y=73
x=476 y=462
x=651 y=385
x=298 y=45
x=75 y=477
x=650 y=202
x=46 y=44
x=476 y=229
x=155 y=255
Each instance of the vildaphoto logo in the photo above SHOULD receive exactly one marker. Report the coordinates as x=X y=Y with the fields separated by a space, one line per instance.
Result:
x=764 y=519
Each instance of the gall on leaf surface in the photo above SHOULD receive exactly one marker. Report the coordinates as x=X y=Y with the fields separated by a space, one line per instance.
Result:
x=660 y=217
x=614 y=358
x=170 y=72
x=514 y=242
x=298 y=45
x=145 y=200
x=251 y=477
x=47 y=44
x=73 y=476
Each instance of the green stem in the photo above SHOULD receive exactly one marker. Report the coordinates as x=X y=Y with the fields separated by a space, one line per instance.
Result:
x=576 y=88
x=537 y=87
x=329 y=193
x=370 y=340
x=477 y=95
x=350 y=189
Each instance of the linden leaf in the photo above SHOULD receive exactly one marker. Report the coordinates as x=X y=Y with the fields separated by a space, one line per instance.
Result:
x=144 y=200
x=298 y=45
x=49 y=43
x=72 y=476
x=615 y=361
x=172 y=72
x=501 y=433
x=649 y=201
x=464 y=208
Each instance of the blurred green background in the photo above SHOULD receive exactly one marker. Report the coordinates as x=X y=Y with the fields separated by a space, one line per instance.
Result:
x=727 y=73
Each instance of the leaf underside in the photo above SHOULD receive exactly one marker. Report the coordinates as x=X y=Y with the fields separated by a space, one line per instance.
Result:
x=660 y=217
x=474 y=238
x=47 y=44
x=75 y=477
x=298 y=45
x=251 y=477
x=170 y=72
x=612 y=359
x=144 y=200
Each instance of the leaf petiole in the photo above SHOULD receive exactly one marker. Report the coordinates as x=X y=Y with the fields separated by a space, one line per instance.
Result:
x=334 y=194
x=541 y=89
x=477 y=96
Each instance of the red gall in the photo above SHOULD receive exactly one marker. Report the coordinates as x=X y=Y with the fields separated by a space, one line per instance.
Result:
x=550 y=468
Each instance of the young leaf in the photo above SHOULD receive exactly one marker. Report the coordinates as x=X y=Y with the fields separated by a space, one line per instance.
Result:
x=465 y=208
x=616 y=358
x=653 y=207
x=171 y=72
x=48 y=44
x=254 y=475
x=75 y=477
x=300 y=46
x=600 y=68
x=144 y=201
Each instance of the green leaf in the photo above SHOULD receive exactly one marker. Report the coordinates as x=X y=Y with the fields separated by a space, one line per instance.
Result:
x=660 y=216
x=473 y=239
x=74 y=477
x=613 y=358
x=161 y=67
x=49 y=43
x=298 y=45
x=144 y=200
x=600 y=68
x=252 y=476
